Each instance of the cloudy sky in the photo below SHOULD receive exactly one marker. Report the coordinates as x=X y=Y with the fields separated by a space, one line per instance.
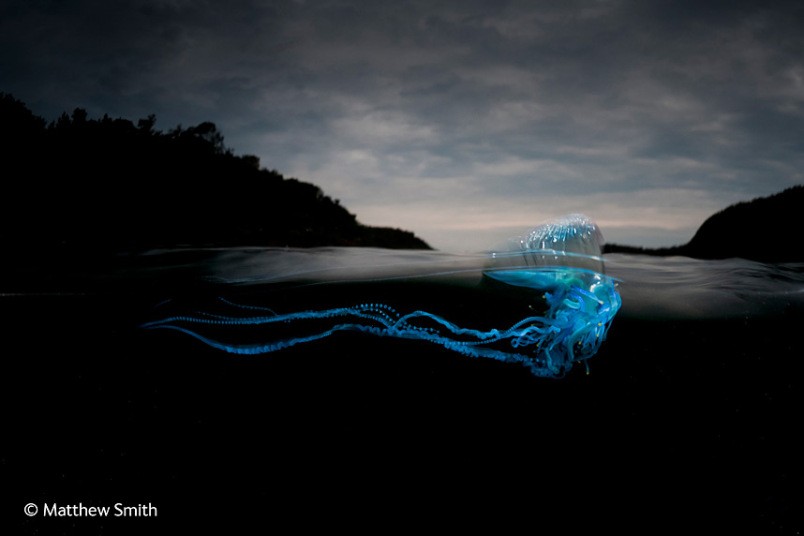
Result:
x=465 y=121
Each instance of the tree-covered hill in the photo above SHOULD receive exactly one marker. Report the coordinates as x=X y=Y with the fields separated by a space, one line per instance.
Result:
x=109 y=185
x=763 y=229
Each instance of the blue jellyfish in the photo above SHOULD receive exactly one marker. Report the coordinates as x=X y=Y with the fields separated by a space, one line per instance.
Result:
x=556 y=269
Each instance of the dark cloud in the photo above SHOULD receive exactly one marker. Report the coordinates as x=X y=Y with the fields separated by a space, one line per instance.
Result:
x=455 y=119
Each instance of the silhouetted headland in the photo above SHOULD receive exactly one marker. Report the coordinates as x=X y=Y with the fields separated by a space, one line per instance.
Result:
x=101 y=186
x=764 y=229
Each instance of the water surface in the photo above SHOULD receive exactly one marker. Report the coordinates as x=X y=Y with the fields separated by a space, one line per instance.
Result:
x=692 y=405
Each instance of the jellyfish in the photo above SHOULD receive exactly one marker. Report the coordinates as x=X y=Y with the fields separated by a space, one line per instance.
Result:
x=561 y=307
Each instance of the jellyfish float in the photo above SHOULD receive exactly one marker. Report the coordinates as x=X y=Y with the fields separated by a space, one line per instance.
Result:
x=544 y=302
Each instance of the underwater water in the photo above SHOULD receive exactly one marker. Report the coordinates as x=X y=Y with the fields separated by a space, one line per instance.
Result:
x=691 y=403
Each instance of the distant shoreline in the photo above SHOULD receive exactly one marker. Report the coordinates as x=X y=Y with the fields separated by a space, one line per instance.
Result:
x=765 y=229
x=638 y=250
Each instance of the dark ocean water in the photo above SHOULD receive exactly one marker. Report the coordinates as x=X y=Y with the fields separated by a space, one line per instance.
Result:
x=688 y=419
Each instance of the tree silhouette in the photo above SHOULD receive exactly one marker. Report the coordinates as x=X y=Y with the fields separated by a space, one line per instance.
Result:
x=763 y=229
x=97 y=186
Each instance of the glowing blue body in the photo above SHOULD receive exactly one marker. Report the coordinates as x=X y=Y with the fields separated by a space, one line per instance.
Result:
x=577 y=307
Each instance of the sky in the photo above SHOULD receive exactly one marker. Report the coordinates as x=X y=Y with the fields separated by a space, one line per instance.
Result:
x=467 y=122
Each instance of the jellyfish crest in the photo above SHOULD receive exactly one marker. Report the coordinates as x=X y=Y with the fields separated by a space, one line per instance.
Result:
x=571 y=241
x=557 y=269
x=575 y=234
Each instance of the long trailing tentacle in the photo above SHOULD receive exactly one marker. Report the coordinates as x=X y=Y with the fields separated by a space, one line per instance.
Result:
x=571 y=329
